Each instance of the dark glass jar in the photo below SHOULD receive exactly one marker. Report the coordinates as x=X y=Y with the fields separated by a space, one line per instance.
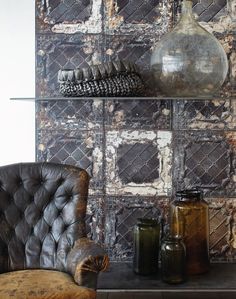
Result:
x=146 y=246
x=189 y=218
x=173 y=260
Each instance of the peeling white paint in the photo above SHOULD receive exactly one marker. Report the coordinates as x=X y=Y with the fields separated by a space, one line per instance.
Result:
x=92 y=25
x=119 y=117
x=90 y=125
x=109 y=51
x=140 y=136
x=97 y=103
x=164 y=138
x=97 y=160
x=41 y=53
x=165 y=112
x=41 y=147
x=89 y=142
x=161 y=140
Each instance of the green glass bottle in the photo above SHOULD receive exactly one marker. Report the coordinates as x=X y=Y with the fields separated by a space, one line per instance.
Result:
x=173 y=260
x=146 y=246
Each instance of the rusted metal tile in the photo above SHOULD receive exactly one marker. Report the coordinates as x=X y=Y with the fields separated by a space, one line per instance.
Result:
x=80 y=148
x=222 y=229
x=204 y=115
x=138 y=162
x=137 y=114
x=69 y=17
x=95 y=216
x=135 y=16
x=206 y=160
x=121 y=215
x=56 y=52
x=70 y=115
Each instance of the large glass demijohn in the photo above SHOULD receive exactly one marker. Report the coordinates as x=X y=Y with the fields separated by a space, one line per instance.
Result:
x=189 y=61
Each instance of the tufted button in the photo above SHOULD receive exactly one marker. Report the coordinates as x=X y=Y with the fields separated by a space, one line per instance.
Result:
x=60 y=181
x=20 y=182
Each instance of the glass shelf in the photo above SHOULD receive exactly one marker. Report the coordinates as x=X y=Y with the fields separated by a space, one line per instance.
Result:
x=61 y=98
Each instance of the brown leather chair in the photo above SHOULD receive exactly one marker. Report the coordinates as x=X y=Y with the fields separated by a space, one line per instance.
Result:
x=44 y=252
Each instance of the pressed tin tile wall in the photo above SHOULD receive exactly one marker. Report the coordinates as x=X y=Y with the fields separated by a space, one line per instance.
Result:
x=137 y=151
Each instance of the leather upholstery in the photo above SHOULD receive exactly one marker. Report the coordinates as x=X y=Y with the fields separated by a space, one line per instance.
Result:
x=42 y=209
x=85 y=261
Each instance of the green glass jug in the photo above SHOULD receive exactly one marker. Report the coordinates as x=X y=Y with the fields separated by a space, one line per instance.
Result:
x=146 y=246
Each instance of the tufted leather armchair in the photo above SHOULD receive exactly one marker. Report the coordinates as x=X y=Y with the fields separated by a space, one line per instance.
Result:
x=44 y=252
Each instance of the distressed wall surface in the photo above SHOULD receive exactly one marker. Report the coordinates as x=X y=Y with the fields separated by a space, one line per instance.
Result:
x=137 y=151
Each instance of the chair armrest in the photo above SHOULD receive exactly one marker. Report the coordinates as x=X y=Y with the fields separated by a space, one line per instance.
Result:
x=85 y=260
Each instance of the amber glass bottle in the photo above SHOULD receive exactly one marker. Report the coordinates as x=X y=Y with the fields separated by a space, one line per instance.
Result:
x=146 y=246
x=189 y=218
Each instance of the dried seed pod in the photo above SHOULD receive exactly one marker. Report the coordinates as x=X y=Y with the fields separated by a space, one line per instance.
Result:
x=79 y=76
x=118 y=78
x=95 y=71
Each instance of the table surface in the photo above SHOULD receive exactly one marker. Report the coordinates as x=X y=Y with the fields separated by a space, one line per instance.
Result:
x=120 y=276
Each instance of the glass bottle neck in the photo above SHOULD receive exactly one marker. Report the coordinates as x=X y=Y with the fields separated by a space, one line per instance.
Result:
x=187 y=11
x=147 y=222
x=189 y=195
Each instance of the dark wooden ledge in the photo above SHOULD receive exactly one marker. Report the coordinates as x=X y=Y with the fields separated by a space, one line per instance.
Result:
x=120 y=277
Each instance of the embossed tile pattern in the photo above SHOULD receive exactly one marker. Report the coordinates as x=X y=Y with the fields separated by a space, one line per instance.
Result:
x=222 y=229
x=135 y=49
x=83 y=149
x=121 y=217
x=62 y=51
x=132 y=16
x=70 y=115
x=138 y=163
x=138 y=10
x=140 y=114
x=209 y=10
x=57 y=11
x=197 y=115
x=95 y=218
x=205 y=160
x=130 y=151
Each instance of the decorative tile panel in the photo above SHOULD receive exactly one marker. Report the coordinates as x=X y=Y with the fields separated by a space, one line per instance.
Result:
x=138 y=162
x=222 y=25
x=205 y=10
x=69 y=16
x=121 y=216
x=207 y=115
x=209 y=10
x=70 y=115
x=223 y=229
x=137 y=114
x=125 y=145
x=56 y=52
x=83 y=149
x=206 y=160
x=95 y=218
x=135 y=169
x=136 y=16
x=136 y=49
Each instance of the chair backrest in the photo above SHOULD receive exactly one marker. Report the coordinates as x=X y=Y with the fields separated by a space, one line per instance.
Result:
x=42 y=214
